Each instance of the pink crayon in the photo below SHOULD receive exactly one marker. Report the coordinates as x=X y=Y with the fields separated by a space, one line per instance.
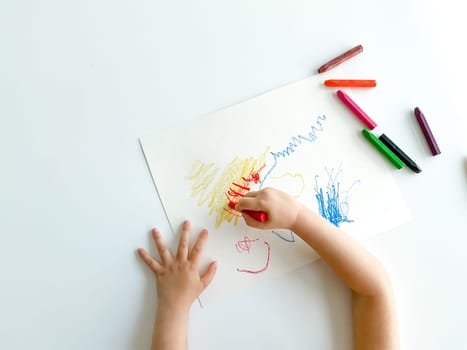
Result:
x=355 y=109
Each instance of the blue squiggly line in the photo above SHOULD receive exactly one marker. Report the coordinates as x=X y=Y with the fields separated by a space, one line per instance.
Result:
x=330 y=205
x=294 y=143
x=284 y=238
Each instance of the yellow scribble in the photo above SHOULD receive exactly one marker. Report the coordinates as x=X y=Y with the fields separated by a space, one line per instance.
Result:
x=202 y=176
x=295 y=175
x=214 y=189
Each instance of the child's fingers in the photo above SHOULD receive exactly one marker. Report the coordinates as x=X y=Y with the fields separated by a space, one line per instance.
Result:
x=207 y=277
x=148 y=260
x=182 y=251
x=252 y=194
x=164 y=252
x=249 y=203
x=197 y=249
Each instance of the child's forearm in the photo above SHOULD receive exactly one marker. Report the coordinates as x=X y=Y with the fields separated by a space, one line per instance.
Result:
x=355 y=266
x=373 y=310
x=170 y=329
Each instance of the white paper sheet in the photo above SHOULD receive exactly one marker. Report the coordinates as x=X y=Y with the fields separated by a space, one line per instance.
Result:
x=298 y=138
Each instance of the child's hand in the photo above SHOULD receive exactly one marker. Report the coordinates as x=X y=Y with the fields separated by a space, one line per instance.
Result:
x=282 y=210
x=178 y=281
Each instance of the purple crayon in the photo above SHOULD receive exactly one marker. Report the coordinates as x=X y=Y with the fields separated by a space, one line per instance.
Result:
x=430 y=139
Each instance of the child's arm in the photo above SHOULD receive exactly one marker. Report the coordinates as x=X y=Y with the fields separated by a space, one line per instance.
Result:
x=178 y=285
x=373 y=309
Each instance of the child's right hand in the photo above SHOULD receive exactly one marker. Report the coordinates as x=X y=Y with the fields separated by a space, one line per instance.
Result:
x=282 y=210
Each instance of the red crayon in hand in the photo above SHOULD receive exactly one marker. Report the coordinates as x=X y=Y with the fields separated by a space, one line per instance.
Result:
x=257 y=215
x=260 y=216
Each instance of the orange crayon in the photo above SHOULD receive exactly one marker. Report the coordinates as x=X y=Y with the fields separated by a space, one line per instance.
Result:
x=366 y=83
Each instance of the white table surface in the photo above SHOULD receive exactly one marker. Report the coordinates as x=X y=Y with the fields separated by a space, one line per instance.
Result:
x=81 y=81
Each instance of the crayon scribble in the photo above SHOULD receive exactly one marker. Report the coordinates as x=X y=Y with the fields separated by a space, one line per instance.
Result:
x=293 y=176
x=202 y=176
x=333 y=201
x=238 y=190
x=287 y=239
x=245 y=244
x=266 y=265
x=295 y=142
x=216 y=189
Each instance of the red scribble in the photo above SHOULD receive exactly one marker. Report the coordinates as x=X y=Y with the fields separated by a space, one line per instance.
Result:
x=265 y=266
x=254 y=176
x=245 y=244
x=234 y=194
x=242 y=187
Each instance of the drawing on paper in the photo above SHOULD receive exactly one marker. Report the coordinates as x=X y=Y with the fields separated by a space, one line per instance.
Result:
x=220 y=191
x=239 y=190
x=245 y=245
x=294 y=143
x=201 y=166
x=294 y=181
x=290 y=237
x=333 y=200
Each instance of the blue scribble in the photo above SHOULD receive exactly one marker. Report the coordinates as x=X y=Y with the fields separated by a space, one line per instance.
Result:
x=332 y=201
x=294 y=143
x=291 y=240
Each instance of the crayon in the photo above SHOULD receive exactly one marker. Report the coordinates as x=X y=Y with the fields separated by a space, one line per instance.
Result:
x=356 y=110
x=430 y=139
x=260 y=216
x=381 y=147
x=360 y=83
x=341 y=58
x=400 y=153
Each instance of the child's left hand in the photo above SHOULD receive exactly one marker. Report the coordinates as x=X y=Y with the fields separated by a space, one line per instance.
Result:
x=179 y=282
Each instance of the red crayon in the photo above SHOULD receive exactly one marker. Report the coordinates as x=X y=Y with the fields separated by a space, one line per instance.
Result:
x=257 y=215
x=260 y=216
